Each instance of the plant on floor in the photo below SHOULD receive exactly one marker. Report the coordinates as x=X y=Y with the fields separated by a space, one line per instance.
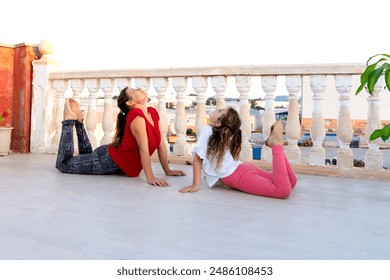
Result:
x=368 y=80
x=4 y=115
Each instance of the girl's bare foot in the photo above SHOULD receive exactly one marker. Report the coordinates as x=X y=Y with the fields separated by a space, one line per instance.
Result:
x=68 y=113
x=276 y=135
x=76 y=109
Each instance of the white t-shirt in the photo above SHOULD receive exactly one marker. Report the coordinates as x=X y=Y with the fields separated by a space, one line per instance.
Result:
x=229 y=164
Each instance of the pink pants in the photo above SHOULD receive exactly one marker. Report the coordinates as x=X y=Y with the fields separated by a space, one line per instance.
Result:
x=251 y=179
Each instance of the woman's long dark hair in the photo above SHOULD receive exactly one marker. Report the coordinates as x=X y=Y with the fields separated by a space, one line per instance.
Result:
x=226 y=136
x=121 y=118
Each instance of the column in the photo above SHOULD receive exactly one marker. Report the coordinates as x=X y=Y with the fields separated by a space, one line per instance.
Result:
x=317 y=131
x=268 y=83
x=60 y=87
x=180 y=148
x=344 y=122
x=91 y=119
x=219 y=85
x=107 y=86
x=374 y=158
x=293 y=126
x=160 y=85
x=200 y=85
x=243 y=85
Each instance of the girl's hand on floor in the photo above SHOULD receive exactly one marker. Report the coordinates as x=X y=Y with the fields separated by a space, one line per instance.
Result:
x=158 y=182
x=175 y=173
x=192 y=188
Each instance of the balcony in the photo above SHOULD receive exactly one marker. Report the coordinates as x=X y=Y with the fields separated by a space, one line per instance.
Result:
x=335 y=212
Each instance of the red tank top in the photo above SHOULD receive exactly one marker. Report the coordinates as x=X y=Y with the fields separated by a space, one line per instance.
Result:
x=127 y=155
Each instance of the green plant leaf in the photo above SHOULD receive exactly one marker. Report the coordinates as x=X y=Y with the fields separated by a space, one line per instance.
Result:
x=364 y=77
x=386 y=132
x=373 y=78
x=376 y=134
x=387 y=79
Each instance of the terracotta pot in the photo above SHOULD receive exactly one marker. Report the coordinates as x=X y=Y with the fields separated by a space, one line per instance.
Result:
x=5 y=140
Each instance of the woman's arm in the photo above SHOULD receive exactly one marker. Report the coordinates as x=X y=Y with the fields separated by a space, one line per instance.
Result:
x=138 y=128
x=197 y=173
x=163 y=158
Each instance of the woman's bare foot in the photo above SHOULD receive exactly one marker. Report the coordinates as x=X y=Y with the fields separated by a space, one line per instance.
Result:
x=276 y=135
x=76 y=109
x=68 y=113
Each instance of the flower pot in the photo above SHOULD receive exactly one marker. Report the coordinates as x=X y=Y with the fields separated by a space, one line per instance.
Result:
x=5 y=140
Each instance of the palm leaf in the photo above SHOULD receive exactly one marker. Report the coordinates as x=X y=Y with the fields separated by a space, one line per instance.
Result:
x=373 y=78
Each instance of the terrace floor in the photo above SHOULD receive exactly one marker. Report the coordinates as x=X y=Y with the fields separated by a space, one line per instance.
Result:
x=49 y=215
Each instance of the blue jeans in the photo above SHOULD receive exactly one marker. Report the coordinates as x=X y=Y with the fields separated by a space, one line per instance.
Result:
x=94 y=162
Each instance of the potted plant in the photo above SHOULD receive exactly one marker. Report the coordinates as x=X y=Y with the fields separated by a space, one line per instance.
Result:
x=369 y=78
x=5 y=134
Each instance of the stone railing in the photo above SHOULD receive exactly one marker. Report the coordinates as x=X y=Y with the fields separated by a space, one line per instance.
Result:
x=305 y=82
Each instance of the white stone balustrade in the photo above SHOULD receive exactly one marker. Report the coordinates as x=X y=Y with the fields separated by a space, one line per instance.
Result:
x=317 y=132
x=268 y=83
x=374 y=157
x=293 y=127
x=90 y=87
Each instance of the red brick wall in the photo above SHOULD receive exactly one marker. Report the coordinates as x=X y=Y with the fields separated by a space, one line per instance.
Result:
x=16 y=91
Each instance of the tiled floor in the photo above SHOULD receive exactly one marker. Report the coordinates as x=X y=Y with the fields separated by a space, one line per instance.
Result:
x=45 y=214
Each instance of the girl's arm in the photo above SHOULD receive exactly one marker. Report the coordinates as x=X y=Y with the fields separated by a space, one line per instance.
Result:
x=138 y=128
x=197 y=174
x=163 y=158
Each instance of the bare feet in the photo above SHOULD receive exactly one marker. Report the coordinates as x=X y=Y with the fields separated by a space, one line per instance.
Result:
x=76 y=109
x=276 y=135
x=68 y=113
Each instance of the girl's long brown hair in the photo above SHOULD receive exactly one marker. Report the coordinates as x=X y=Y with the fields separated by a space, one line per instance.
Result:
x=226 y=136
x=121 y=118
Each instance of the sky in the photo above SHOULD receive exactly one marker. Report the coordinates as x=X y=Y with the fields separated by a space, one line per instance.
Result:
x=128 y=34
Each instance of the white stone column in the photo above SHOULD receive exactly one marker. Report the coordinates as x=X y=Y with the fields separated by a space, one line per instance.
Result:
x=180 y=148
x=219 y=85
x=60 y=87
x=121 y=83
x=317 y=131
x=91 y=120
x=143 y=83
x=374 y=157
x=268 y=83
x=43 y=104
x=243 y=85
x=200 y=85
x=293 y=127
x=344 y=122
x=107 y=86
x=160 y=85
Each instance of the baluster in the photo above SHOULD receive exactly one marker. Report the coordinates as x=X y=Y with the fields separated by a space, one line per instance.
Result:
x=121 y=83
x=374 y=157
x=77 y=86
x=143 y=83
x=60 y=87
x=317 y=131
x=91 y=120
x=200 y=86
x=268 y=83
x=219 y=85
x=243 y=85
x=160 y=85
x=344 y=122
x=107 y=86
x=293 y=127
x=180 y=148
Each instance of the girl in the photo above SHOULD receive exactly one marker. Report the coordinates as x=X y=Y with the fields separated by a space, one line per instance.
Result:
x=137 y=136
x=217 y=151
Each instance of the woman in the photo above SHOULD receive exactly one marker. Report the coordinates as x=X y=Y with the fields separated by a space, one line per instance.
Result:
x=137 y=137
x=217 y=151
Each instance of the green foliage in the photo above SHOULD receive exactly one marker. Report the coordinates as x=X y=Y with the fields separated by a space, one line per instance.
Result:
x=369 y=78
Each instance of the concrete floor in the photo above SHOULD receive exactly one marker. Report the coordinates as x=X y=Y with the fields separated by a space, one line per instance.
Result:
x=46 y=215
